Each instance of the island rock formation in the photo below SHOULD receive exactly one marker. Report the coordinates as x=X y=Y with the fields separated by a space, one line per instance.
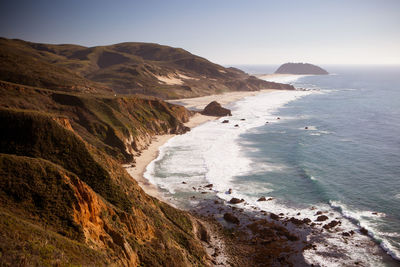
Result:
x=215 y=109
x=300 y=68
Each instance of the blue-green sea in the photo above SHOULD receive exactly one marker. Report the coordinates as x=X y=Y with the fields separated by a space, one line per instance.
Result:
x=335 y=147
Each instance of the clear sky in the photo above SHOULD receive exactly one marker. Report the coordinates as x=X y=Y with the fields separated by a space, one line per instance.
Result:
x=223 y=31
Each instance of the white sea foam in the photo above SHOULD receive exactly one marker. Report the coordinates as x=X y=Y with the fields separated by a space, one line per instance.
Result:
x=283 y=78
x=210 y=153
x=369 y=220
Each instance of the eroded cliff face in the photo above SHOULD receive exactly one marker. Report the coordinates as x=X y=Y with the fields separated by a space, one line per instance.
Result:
x=120 y=126
x=67 y=194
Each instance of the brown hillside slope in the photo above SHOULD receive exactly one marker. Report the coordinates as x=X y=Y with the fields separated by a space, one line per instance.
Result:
x=65 y=202
x=125 y=68
x=120 y=126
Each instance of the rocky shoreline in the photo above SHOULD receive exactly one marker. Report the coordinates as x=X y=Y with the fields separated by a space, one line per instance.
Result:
x=239 y=233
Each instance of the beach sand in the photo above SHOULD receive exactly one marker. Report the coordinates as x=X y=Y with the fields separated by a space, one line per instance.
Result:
x=228 y=250
x=147 y=156
x=198 y=103
x=152 y=151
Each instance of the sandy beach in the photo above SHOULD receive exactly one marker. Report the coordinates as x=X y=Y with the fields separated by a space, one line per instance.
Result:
x=152 y=151
x=198 y=103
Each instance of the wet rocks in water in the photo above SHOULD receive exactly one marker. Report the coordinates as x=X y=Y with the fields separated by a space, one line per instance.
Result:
x=278 y=118
x=331 y=224
x=225 y=121
x=322 y=218
x=262 y=199
x=229 y=217
x=242 y=119
x=296 y=221
x=235 y=200
x=306 y=220
x=350 y=233
x=183 y=182
x=209 y=186
x=236 y=125
x=306 y=128
x=363 y=231
x=229 y=191
x=273 y=216
x=318 y=213
x=215 y=109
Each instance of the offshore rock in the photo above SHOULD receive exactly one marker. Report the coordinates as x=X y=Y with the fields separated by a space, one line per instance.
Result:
x=215 y=109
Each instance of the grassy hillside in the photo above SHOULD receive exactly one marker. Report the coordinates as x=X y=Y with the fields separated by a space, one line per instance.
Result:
x=65 y=202
x=125 y=68
x=120 y=126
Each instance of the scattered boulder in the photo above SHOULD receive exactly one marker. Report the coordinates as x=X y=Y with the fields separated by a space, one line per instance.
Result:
x=266 y=122
x=262 y=199
x=183 y=182
x=318 y=213
x=322 y=218
x=209 y=186
x=242 y=119
x=273 y=216
x=331 y=224
x=236 y=125
x=350 y=233
x=296 y=221
x=229 y=217
x=306 y=128
x=306 y=220
x=278 y=118
x=229 y=191
x=215 y=109
x=235 y=200
x=363 y=231
x=225 y=121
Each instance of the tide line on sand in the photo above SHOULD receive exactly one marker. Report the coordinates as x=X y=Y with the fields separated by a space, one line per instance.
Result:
x=151 y=153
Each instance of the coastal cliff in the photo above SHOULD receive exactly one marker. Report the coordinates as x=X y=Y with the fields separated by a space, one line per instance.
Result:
x=65 y=198
x=300 y=68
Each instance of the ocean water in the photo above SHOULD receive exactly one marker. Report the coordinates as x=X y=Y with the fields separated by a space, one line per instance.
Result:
x=346 y=162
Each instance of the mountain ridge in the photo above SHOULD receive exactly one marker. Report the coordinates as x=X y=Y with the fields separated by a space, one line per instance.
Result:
x=124 y=68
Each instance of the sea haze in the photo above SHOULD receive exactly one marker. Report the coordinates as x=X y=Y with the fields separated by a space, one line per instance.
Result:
x=346 y=161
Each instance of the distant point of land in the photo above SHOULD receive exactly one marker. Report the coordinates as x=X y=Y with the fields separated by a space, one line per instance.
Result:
x=300 y=68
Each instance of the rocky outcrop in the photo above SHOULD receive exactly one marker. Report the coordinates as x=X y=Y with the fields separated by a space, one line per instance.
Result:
x=235 y=200
x=229 y=217
x=300 y=68
x=215 y=109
